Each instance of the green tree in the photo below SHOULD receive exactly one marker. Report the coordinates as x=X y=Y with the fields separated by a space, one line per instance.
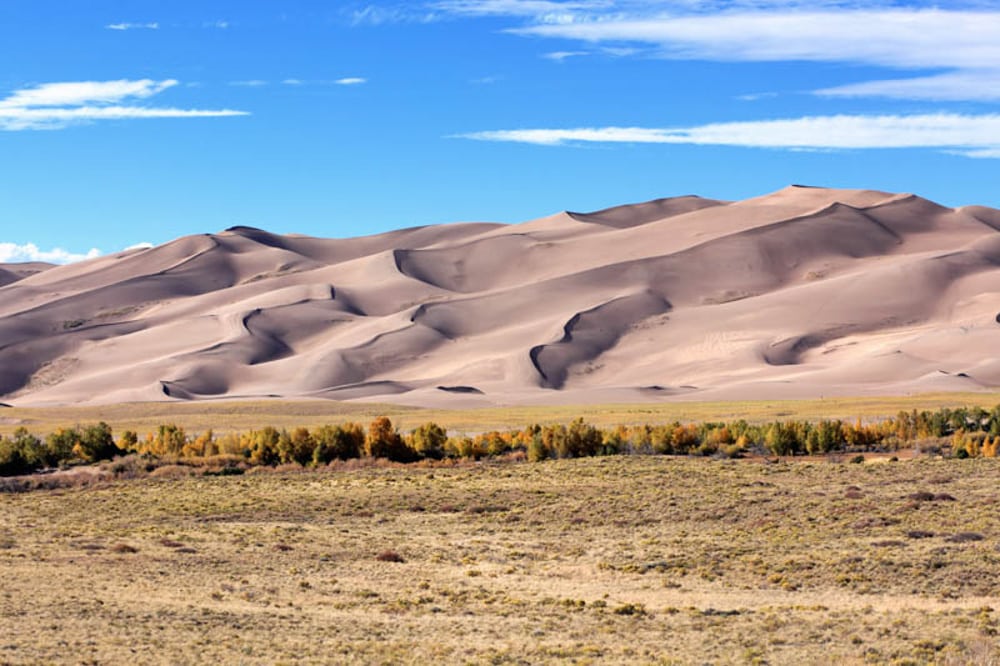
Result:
x=300 y=447
x=429 y=441
x=582 y=439
x=59 y=446
x=96 y=443
x=340 y=442
x=384 y=442
x=22 y=454
x=264 y=446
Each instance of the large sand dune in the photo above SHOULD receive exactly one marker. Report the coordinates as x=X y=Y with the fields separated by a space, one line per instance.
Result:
x=801 y=293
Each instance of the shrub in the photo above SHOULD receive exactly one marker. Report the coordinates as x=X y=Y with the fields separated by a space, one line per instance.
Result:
x=965 y=537
x=389 y=556
x=537 y=451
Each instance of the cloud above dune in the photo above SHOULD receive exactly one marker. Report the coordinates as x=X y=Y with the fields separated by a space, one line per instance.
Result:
x=14 y=253
x=971 y=135
x=59 y=105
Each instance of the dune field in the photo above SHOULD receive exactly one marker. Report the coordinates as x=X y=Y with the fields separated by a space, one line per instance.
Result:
x=805 y=292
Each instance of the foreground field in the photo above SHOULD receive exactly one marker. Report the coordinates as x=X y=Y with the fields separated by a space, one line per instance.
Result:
x=229 y=416
x=622 y=559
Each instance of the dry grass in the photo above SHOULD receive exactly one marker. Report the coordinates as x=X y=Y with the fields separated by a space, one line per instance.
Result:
x=604 y=560
x=245 y=415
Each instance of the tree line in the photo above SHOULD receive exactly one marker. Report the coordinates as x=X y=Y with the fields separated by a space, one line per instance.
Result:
x=962 y=432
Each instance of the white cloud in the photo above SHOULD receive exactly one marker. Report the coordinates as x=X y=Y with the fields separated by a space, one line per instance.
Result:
x=539 y=10
x=378 y=15
x=887 y=37
x=559 y=56
x=971 y=85
x=58 y=105
x=350 y=81
x=14 y=253
x=293 y=82
x=133 y=26
x=960 y=36
x=970 y=135
x=85 y=92
x=139 y=246
x=251 y=83
x=221 y=25
x=753 y=97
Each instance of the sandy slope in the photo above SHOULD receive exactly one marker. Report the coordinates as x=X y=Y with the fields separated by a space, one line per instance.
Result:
x=803 y=292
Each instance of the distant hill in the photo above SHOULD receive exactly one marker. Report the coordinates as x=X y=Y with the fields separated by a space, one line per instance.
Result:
x=10 y=273
x=800 y=293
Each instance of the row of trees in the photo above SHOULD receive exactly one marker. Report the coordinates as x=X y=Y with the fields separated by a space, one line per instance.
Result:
x=966 y=432
x=24 y=453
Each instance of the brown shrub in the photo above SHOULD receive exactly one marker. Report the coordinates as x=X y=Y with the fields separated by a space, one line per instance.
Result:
x=919 y=534
x=170 y=543
x=172 y=472
x=389 y=556
x=965 y=537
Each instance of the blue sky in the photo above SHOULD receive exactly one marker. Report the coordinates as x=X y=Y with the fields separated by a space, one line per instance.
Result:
x=128 y=122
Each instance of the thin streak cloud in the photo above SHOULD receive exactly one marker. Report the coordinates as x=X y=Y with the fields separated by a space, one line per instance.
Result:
x=969 y=135
x=133 y=26
x=58 y=105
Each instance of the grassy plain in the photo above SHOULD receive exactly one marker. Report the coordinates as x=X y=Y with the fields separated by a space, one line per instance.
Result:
x=226 y=416
x=602 y=560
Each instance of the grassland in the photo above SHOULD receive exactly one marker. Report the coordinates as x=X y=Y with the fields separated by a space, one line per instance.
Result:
x=604 y=560
x=228 y=416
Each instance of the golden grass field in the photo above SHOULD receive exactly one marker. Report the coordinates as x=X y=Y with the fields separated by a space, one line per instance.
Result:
x=638 y=559
x=228 y=416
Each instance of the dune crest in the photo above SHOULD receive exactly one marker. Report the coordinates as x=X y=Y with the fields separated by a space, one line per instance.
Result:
x=803 y=292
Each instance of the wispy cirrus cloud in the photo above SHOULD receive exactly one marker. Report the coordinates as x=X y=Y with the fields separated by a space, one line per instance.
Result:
x=981 y=85
x=969 y=135
x=59 y=105
x=153 y=25
x=345 y=81
x=901 y=38
x=960 y=37
x=539 y=10
x=560 y=56
x=399 y=13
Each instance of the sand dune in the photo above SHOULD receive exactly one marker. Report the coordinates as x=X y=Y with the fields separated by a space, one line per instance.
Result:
x=799 y=293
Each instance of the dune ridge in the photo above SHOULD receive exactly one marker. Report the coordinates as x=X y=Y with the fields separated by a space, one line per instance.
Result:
x=803 y=292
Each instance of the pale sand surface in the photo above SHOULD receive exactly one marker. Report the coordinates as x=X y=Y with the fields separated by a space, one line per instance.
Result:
x=805 y=292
